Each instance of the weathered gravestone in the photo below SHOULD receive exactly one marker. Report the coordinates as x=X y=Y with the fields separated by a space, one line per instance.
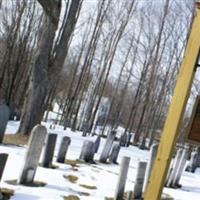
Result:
x=107 y=147
x=123 y=140
x=97 y=144
x=114 y=154
x=153 y=152
x=129 y=136
x=3 y=159
x=174 y=168
x=180 y=169
x=122 y=178
x=4 y=117
x=87 y=151
x=32 y=157
x=49 y=150
x=63 y=149
x=139 y=180
x=193 y=164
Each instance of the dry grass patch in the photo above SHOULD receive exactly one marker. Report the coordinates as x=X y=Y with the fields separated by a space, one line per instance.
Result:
x=34 y=184
x=6 y=193
x=71 y=197
x=109 y=198
x=71 y=178
x=16 y=139
x=90 y=187
x=73 y=163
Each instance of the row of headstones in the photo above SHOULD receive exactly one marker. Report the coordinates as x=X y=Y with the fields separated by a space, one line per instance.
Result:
x=32 y=157
x=35 y=146
x=109 y=153
x=173 y=177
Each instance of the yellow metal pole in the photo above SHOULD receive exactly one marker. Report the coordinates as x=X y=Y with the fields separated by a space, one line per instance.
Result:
x=176 y=110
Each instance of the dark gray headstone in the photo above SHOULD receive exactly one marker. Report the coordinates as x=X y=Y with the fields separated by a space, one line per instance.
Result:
x=97 y=144
x=139 y=180
x=49 y=150
x=107 y=147
x=36 y=142
x=3 y=159
x=63 y=149
x=85 y=129
x=129 y=136
x=114 y=154
x=123 y=140
x=4 y=117
x=87 y=151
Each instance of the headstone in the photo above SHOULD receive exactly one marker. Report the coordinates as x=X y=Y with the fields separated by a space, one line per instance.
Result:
x=174 y=168
x=180 y=169
x=63 y=149
x=139 y=180
x=49 y=150
x=122 y=178
x=85 y=129
x=3 y=159
x=4 y=117
x=107 y=147
x=123 y=140
x=193 y=164
x=97 y=144
x=32 y=157
x=87 y=151
x=129 y=136
x=114 y=154
x=143 y=144
x=153 y=152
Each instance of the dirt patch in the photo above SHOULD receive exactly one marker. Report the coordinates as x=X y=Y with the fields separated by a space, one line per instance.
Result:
x=16 y=139
x=71 y=197
x=71 y=178
x=109 y=198
x=90 y=187
x=34 y=184
x=5 y=193
x=73 y=163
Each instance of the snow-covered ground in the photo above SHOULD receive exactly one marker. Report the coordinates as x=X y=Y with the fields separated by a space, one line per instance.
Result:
x=103 y=176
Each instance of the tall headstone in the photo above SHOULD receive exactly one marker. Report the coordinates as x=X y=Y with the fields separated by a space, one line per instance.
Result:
x=129 y=136
x=63 y=149
x=49 y=150
x=139 y=180
x=153 y=152
x=35 y=144
x=174 y=168
x=97 y=144
x=123 y=140
x=114 y=153
x=122 y=178
x=180 y=169
x=4 y=117
x=107 y=147
x=87 y=151
x=3 y=159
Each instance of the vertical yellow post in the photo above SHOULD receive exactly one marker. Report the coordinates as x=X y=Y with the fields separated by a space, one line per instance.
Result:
x=176 y=110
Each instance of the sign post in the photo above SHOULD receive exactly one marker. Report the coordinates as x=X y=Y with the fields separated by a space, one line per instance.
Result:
x=176 y=110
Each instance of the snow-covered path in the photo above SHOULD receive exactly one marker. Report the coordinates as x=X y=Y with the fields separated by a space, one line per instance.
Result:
x=102 y=176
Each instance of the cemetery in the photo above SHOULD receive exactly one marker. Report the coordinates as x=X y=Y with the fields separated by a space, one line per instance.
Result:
x=99 y=100
x=57 y=164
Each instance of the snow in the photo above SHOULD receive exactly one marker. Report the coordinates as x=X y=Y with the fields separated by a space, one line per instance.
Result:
x=103 y=176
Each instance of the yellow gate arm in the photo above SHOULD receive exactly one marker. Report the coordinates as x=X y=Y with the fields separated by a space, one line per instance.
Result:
x=176 y=111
